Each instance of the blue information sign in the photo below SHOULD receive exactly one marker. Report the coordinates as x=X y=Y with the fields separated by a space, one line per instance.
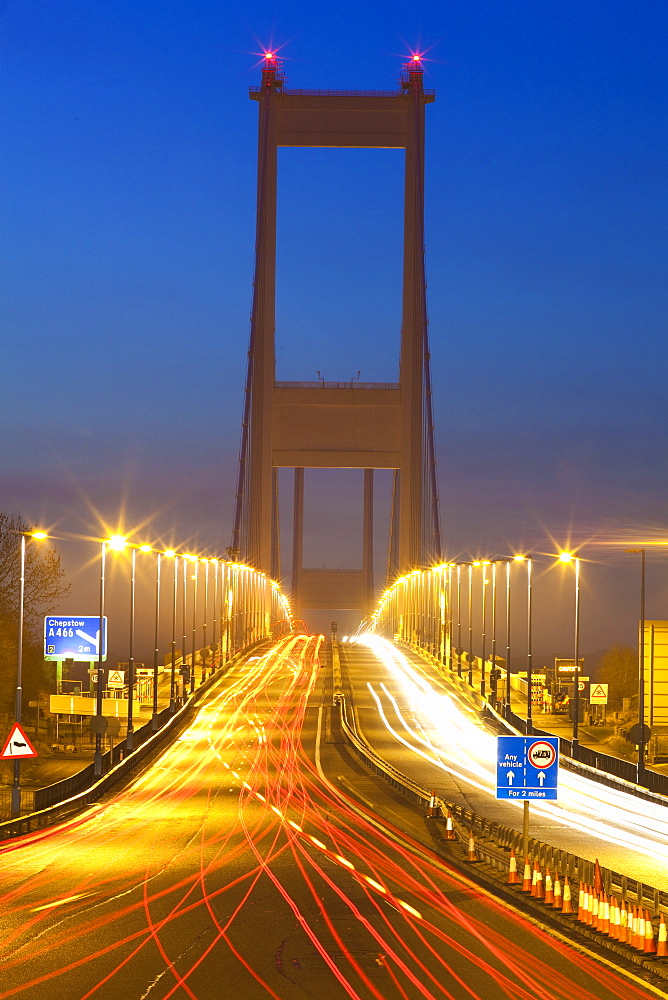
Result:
x=75 y=637
x=527 y=767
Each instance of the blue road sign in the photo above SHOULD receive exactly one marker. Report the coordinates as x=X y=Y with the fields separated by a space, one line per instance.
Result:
x=527 y=767
x=74 y=637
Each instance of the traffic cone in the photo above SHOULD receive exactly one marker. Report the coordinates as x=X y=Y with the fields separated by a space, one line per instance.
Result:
x=549 y=890
x=472 y=853
x=567 y=906
x=449 y=828
x=649 y=946
x=513 y=877
x=432 y=809
x=639 y=930
x=526 y=881
x=593 y=908
x=598 y=878
x=558 y=900
x=623 y=922
x=604 y=914
x=537 y=890
x=581 y=903
x=662 y=943
x=614 y=918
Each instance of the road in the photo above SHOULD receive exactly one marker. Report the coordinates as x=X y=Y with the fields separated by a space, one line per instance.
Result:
x=236 y=865
x=432 y=731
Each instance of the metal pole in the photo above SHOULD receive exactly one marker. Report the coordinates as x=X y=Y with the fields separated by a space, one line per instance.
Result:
x=131 y=659
x=576 y=670
x=206 y=612
x=494 y=684
x=483 y=687
x=449 y=617
x=172 y=686
x=508 y=708
x=18 y=703
x=215 y=612
x=525 y=829
x=184 y=617
x=97 y=760
x=529 y=660
x=641 y=672
x=459 y=620
x=194 y=629
x=470 y=652
x=154 y=721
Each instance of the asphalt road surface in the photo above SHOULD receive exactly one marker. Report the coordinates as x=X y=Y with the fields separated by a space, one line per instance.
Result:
x=238 y=866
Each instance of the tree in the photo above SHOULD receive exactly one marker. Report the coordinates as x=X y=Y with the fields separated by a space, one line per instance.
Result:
x=618 y=667
x=44 y=585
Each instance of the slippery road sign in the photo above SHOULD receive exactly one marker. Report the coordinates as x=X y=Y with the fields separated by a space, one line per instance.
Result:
x=527 y=767
x=18 y=745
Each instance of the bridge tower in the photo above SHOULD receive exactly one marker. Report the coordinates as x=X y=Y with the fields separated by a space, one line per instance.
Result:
x=357 y=425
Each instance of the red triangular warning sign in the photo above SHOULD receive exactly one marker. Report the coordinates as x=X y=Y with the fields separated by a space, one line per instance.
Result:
x=18 y=745
x=598 y=692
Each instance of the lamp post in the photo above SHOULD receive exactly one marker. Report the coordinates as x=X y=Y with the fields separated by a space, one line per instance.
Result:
x=641 y=670
x=568 y=557
x=194 y=626
x=494 y=682
x=97 y=758
x=131 y=657
x=459 y=620
x=154 y=716
x=470 y=653
x=449 y=616
x=184 y=606
x=172 y=685
x=529 y=652
x=508 y=709
x=206 y=612
x=18 y=702
x=215 y=613
x=484 y=581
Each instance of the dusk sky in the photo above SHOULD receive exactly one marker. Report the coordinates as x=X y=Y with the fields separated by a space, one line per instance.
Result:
x=128 y=173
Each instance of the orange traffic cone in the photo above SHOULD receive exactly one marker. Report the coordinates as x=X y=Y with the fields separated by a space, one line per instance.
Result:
x=598 y=878
x=567 y=906
x=537 y=890
x=649 y=946
x=623 y=922
x=639 y=925
x=581 y=903
x=549 y=891
x=526 y=881
x=449 y=828
x=558 y=892
x=433 y=810
x=593 y=908
x=513 y=877
x=614 y=918
x=662 y=943
x=472 y=853
x=604 y=915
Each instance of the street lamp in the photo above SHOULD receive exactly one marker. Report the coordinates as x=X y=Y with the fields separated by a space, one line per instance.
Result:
x=194 y=628
x=641 y=670
x=459 y=619
x=18 y=704
x=172 y=692
x=154 y=715
x=483 y=688
x=131 y=658
x=470 y=654
x=568 y=557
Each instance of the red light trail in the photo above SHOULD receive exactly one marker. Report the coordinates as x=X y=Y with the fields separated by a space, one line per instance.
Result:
x=233 y=861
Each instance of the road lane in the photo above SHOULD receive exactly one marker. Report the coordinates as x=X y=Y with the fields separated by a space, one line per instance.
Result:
x=234 y=867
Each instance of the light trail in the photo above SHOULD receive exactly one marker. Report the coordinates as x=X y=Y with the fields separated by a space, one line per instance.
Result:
x=163 y=876
x=459 y=745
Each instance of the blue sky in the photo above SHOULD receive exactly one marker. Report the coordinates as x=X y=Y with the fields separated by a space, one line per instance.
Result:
x=127 y=204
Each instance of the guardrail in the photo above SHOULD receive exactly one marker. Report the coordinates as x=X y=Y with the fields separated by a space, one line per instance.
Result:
x=79 y=790
x=602 y=767
x=494 y=841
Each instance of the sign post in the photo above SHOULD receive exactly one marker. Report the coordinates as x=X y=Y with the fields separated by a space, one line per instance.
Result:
x=527 y=767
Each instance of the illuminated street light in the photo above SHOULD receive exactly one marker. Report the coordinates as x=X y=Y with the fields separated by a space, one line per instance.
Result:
x=569 y=557
x=154 y=716
x=131 y=657
x=641 y=670
x=171 y=554
x=484 y=581
x=18 y=704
